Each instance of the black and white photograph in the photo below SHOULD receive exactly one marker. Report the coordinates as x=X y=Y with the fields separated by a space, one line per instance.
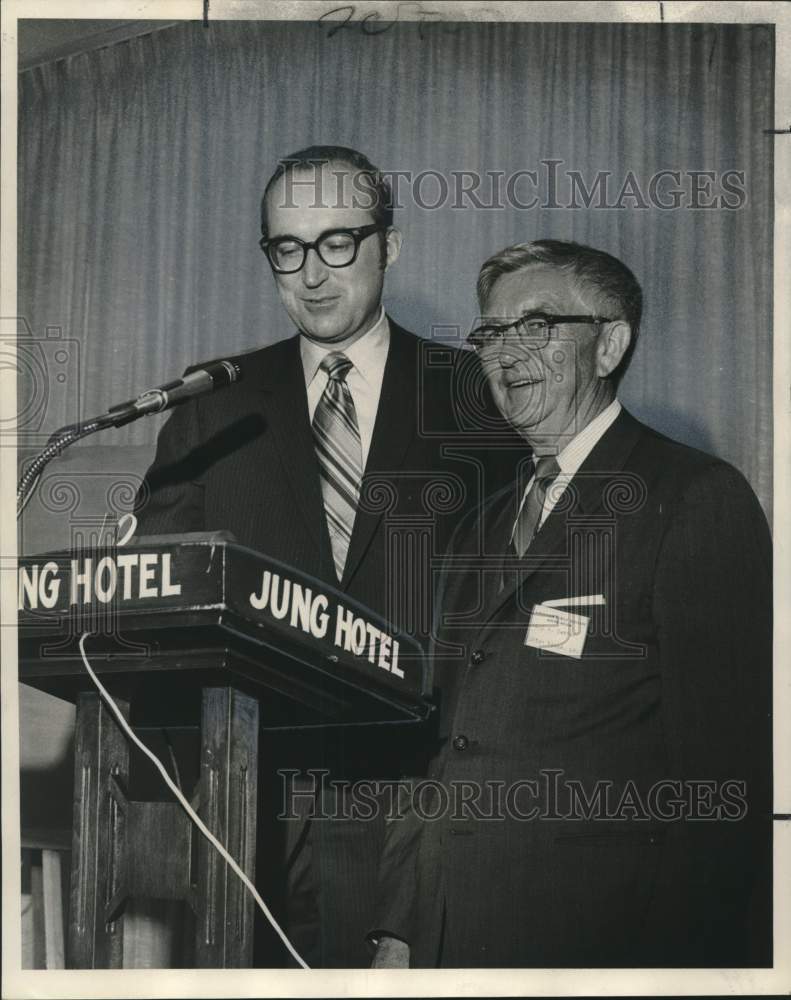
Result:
x=397 y=398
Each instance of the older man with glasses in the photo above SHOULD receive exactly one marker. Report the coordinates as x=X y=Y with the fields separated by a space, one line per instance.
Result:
x=351 y=407
x=600 y=794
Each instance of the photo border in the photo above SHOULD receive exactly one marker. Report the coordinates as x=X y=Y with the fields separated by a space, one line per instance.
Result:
x=265 y=982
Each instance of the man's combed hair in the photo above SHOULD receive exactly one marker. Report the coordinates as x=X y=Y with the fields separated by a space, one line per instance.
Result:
x=614 y=286
x=611 y=281
x=376 y=195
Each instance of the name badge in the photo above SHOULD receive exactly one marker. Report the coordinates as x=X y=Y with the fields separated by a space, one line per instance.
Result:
x=557 y=631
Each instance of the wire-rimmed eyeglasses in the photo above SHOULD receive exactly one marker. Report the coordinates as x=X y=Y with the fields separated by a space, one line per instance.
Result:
x=335 y=247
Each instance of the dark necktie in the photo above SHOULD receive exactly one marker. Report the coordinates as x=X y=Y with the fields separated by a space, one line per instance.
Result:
x=529 y=517
x=337 y=440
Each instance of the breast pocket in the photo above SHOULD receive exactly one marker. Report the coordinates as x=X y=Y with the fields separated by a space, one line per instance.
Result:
x=589 y=632
x=610 y=688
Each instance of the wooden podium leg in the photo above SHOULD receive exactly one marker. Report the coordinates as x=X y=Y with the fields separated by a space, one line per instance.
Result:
x=228 y=796
x=53 y=908
x=101 y=760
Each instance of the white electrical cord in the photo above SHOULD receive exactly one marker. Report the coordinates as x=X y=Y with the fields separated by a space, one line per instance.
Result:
x=186 y=806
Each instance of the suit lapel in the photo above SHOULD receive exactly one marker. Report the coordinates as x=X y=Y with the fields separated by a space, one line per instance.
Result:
x=286 y=407
x=498 y=525
x=394 y=431
x=583 y=496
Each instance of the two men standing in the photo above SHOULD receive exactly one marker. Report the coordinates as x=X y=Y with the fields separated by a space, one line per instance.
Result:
x=295 y=463
x=602 y=650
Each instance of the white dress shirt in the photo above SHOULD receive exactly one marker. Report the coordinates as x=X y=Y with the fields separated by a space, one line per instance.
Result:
x=368 y=356
x=572 y=457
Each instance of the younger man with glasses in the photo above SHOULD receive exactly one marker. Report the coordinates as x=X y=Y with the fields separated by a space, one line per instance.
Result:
x=294 y=462
x=602 y=779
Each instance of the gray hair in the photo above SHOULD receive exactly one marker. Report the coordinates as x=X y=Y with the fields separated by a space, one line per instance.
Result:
x=611 y=280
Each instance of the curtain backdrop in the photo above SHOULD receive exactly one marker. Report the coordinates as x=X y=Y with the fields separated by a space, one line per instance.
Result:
x=141 y=167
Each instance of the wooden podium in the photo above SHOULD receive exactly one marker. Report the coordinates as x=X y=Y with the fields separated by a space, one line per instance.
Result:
x=193 y=630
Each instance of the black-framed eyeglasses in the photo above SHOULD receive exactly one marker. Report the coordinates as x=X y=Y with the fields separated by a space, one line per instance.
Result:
x=532 y=331
x=335 y=247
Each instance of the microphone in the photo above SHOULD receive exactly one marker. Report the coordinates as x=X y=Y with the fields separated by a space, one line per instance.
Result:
x=206 y=378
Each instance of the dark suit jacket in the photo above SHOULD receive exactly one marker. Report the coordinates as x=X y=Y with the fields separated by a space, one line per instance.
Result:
x=243 y=460
x=673 y=684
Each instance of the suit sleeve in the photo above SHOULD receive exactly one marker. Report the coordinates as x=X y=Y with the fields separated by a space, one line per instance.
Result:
x=713 y=615
x=171 y=497
x=397 y=876
x=398 y=879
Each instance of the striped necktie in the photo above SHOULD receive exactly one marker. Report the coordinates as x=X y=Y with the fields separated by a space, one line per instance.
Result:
x=529 y=518
x=337 y=440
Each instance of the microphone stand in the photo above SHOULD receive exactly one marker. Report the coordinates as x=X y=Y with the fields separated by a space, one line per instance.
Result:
x=153 y=401
x=212 y=376
x=62 y=439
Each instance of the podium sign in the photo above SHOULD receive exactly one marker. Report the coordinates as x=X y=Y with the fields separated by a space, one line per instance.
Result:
x=196 y=605
x=194 y=630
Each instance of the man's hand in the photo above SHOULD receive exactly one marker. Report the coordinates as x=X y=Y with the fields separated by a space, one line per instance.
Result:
x=391 y=954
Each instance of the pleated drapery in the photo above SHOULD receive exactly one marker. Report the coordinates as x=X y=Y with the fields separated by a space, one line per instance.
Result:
x=141 y=167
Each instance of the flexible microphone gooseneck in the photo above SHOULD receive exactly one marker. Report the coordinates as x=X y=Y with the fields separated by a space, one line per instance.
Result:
x=203 y=379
